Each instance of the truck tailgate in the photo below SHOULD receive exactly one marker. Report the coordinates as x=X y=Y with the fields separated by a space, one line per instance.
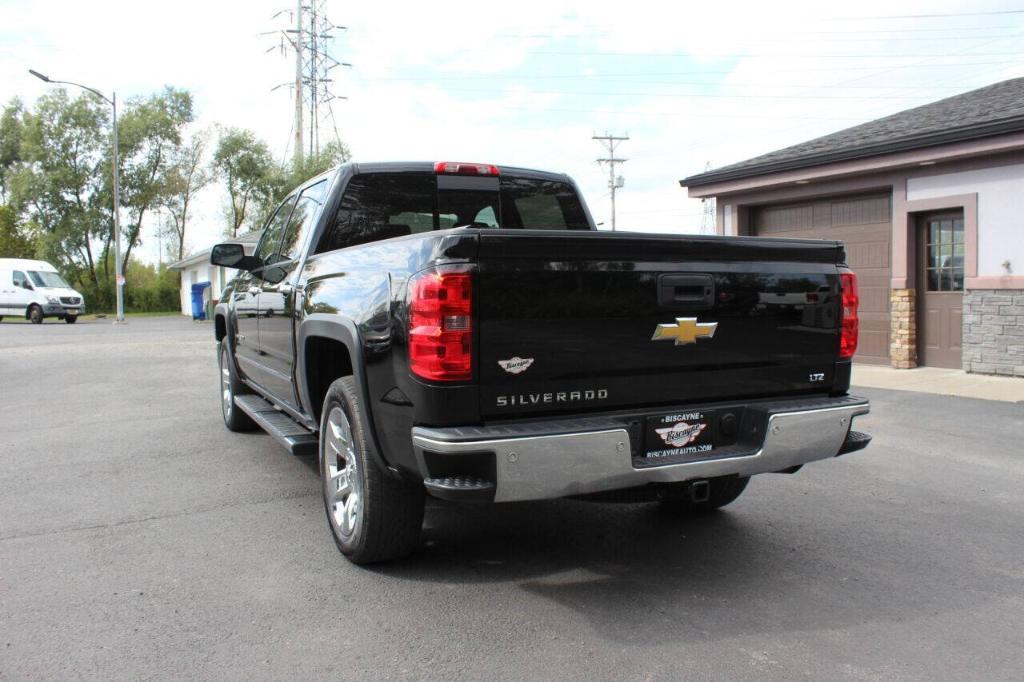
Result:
x=577 y=321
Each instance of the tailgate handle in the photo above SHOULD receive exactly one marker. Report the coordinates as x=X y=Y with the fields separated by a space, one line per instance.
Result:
x=686 y=292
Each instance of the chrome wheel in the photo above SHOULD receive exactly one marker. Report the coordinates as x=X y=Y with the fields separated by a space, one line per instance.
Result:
x=343 y=486
x=227 y=397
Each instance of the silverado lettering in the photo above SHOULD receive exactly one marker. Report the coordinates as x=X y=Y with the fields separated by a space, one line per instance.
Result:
x=388 y=316
x=547 y=398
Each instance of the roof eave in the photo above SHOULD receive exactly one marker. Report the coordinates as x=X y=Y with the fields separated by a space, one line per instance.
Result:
x=1006 y=126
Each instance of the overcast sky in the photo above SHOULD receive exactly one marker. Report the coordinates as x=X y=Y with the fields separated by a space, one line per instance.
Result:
x=528 y=83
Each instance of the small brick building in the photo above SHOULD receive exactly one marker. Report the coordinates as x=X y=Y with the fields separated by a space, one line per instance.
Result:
x=930 y=203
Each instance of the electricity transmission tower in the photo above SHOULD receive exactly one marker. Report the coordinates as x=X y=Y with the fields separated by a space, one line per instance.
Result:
x=707 y=204
x=308 y=36
x=610 y=143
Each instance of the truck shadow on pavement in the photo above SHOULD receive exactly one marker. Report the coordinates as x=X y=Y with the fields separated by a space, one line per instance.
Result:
x=643 y=577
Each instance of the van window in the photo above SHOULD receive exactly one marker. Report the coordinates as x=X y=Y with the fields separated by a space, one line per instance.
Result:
x=42 y=278
x=20 y=280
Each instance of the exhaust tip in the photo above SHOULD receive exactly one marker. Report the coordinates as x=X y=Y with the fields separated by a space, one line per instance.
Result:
x=700 y=491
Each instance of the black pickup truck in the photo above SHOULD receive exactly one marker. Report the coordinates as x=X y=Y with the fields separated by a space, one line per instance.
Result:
x=464 y=331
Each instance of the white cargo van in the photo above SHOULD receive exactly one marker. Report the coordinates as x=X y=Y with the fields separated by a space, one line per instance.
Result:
x=34 y=290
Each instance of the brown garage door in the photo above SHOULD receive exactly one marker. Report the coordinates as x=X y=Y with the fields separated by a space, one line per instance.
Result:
x=864 y=223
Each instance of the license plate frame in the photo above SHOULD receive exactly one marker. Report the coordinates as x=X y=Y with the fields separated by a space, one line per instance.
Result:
x=688 y=434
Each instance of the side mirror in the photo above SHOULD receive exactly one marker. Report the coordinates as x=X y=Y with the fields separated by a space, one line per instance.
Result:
x=233 y=256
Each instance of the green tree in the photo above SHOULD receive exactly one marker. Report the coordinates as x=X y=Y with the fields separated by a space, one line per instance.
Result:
x=249 y=174
x=284 y=179
x=14 y=241
x=12 y=133
x=59 y=184
x=333 y=154
x=150 y=134
x=186 y=176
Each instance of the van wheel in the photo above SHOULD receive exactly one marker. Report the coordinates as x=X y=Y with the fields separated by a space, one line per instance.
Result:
x=71 y=319
x=372 y=516
x=230 y=386
x=35 y=314
x=723 y=491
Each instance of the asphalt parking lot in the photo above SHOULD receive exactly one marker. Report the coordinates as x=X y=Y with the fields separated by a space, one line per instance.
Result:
x=140 y=539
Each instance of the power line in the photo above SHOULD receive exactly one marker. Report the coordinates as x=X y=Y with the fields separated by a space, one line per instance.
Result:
x=610 y=143
x=633 y=75
x=690 y=95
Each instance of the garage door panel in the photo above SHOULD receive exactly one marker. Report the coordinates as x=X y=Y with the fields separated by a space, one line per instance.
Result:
x=864 y=225
x=874 y=299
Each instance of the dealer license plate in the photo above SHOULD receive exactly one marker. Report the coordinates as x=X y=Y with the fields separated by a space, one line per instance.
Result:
x=679 y=433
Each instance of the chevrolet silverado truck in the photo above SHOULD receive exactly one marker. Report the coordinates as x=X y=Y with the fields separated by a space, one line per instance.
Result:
x=464 y=331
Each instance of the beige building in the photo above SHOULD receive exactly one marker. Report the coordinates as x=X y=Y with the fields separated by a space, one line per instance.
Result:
x=926 y=201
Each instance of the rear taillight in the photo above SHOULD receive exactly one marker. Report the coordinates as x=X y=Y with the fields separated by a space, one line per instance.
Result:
x=464 y=168
x=441 y=324
x=850 y=328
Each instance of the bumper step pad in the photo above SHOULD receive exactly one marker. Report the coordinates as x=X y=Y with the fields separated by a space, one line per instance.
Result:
x=296 y=438
x=855 y=440
x=460 y=488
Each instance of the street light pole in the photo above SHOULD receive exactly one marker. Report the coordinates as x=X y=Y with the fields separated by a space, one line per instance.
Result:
x=118 y=273
x=118 y=270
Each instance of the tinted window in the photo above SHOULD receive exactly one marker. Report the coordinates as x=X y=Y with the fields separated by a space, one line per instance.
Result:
x=306 y=210
x=383 y=205
x=272 y=233
x=380 y=206
x=541 y=205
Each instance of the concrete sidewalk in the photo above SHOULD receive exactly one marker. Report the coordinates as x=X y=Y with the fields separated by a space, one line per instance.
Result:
x=941 y=381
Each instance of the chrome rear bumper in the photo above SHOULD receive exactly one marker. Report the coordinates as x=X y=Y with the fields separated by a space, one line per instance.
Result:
x=551 y=465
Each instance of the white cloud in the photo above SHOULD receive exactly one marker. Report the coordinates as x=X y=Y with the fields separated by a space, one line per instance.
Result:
x=691 y=82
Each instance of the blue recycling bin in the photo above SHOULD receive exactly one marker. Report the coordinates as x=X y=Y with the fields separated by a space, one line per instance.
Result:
x=198 y=307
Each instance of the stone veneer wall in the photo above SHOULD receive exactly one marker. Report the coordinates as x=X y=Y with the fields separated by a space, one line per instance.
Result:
x=994 y=331
x=903 y=328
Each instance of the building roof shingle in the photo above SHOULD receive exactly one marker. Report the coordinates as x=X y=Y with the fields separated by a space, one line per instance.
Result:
x=992 y=110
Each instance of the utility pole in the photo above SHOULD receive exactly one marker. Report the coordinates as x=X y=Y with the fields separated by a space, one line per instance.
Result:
x=312 y=85
x=707 y=204
x=610 y=143
x=297 y=44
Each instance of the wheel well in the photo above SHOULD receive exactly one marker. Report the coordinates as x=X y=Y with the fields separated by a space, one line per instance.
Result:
x=325 y=360
x=28 y=309
x=220 y=328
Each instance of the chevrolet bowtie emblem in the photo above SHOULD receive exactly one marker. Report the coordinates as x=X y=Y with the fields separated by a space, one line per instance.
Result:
x=685 y=330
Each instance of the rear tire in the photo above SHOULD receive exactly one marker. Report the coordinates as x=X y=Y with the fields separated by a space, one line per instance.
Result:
x=372 y=516
x=35 y=314
x=71 y=319
x=724 y=490
x=231 y=386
